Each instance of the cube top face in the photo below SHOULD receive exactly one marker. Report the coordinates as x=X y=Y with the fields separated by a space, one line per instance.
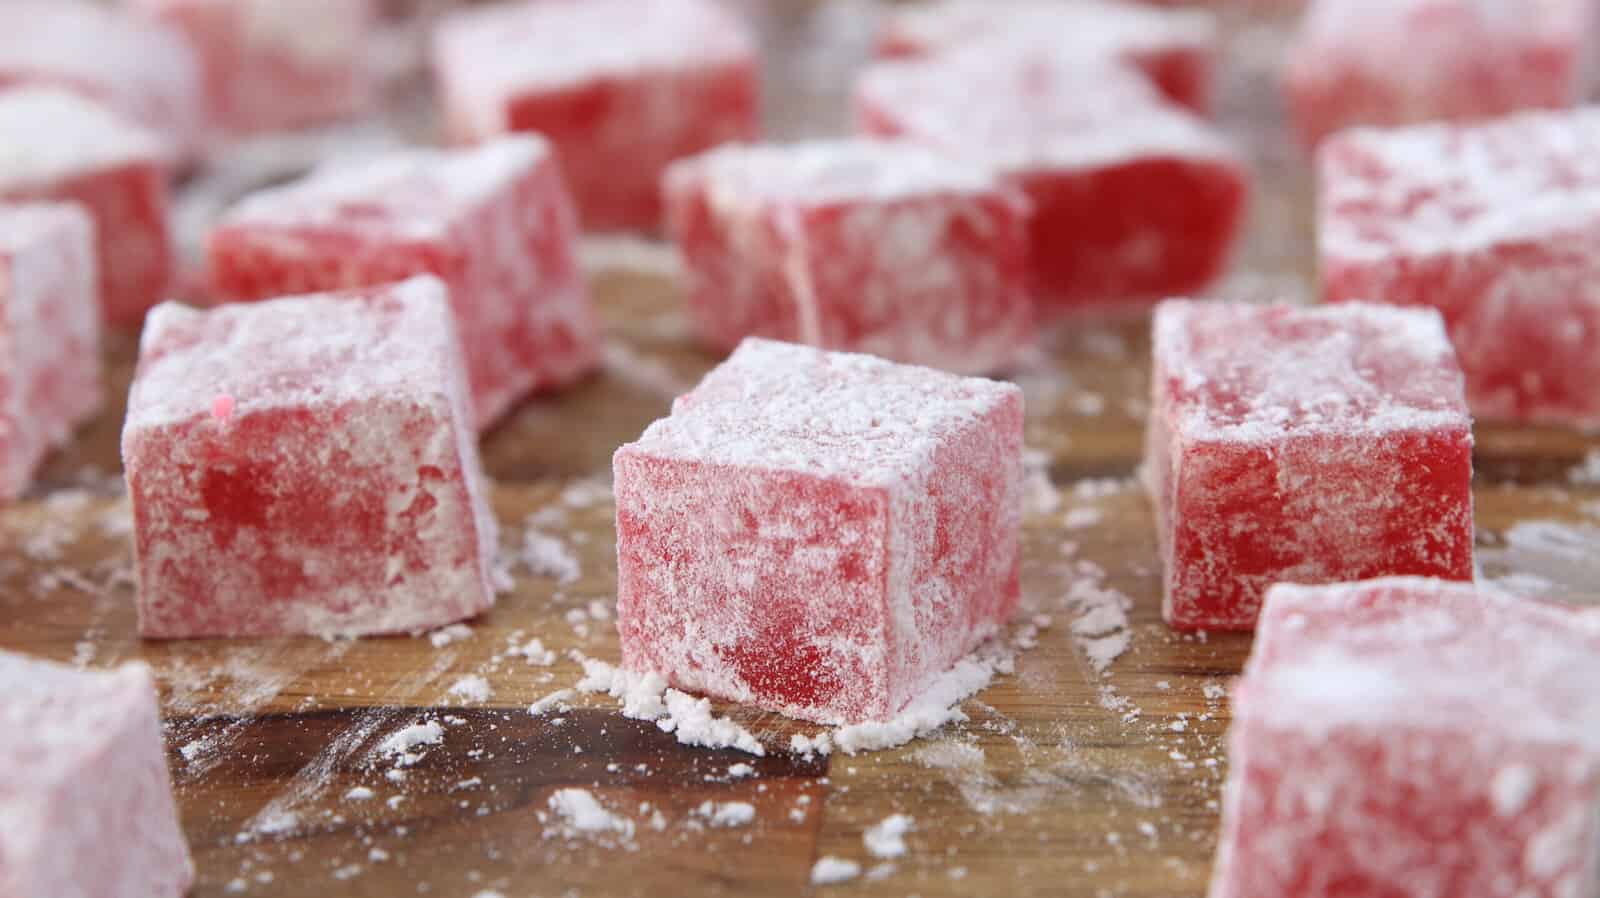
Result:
x=383 y=342
x=414 y=195
x=1445 y=189
x=1379 y=26
x=1421 y=653
x=502 y=52
x=833 y=415
x=1030 y=110
x=1253 y=374
x=1085 y=27
x=318 y=32
x=51 y=711
x=51 y=135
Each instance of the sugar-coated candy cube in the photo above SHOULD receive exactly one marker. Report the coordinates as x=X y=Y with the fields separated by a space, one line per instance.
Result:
x=1172 y=47
x=276 y=64
x=1414 y=738
x=494 y=221
x=307 y=465
x=84 y=788
x=144 y=70
x=1133 y=198
x=49 y=335
x=56 y=146
x=1309 y=445
x=885 y=247
x=819 y=533
x=621 y=87
x=1492 y=225
x=1395 y=62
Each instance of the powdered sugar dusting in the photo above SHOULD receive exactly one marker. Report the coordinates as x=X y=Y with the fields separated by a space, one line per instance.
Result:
x=645 y=696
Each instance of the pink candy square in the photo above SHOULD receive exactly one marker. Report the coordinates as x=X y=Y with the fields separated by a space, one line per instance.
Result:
x=307 y=466
x=819 y=533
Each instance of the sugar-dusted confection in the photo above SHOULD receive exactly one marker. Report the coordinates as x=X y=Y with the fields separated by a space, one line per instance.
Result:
x=49 y=335
x=495 y=222
x=144 y=70
x=1493 y=226
x=59 y=147
x=621 y=87
x=1174 y=48
x=85 y=794
x=1413 y=738
x=1132 y=198
x=276 y=64
x=306 y=466
x=819 y=533
x=1395 y=62
x=885 y=247
x=1305 y=445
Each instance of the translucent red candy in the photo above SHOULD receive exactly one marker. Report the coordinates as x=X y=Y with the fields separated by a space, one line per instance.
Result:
x=621 y=87
x=819 y=533
x=58 y=147
x=1173 y=48
x=1133 y=198
x=495 y=222
x=84 y=788
x=340 y=495
x=1492 y=225
x=879 y=247
x=49 y=335
x=1414 y=739
x=1306 y=445
x=1395 y=62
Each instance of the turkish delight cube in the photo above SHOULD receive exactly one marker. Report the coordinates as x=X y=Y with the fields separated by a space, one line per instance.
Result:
x=819 y=533
x=1414 y=738
x=49 y=335
x=306 y=466
x=1491 y=225
x=58 y=147
x=495 y=222
x=84 y=787
x=145 y=71
x=621 y=87
x=1309 y=445
x=1133 y=198
x=1175 y=48
x=885 y=248
x=273 y=65
x=1407 y=61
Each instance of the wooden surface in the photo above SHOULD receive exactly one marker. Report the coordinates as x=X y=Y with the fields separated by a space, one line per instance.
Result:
x=1064 y=781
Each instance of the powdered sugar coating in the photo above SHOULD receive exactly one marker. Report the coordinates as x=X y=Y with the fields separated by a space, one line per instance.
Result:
x=85 y=769
x=829 y=171
x=51 y=134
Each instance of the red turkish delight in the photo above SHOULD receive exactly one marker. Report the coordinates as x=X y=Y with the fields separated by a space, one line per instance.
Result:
x=494 y=221
x=1174 y=48
x=84 y=788
x=1399 y=62
x=307 y=466
x=819 y=533
x=1492 y=225
x=621 y=87
x=1133 y=198
x=57 y=146
x=878 y=247
x=143 y=70
x=276 y=64
x=1307 y=445
x=1414 y=739
x=49 y=335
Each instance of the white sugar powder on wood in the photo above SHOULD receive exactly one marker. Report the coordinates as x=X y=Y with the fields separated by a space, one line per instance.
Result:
x=887 y=838
x=581 y=813
x=832 y=870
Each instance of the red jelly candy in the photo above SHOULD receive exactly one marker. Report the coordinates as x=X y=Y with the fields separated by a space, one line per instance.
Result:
x=1303 y=445
x=341 y=494
x=1413 y=738
x=819 y=533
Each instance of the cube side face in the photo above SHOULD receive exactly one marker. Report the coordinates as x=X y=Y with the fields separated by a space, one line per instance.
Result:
x=341 y=519
x=752 y=585
x=1403 y=812
x=955 y=550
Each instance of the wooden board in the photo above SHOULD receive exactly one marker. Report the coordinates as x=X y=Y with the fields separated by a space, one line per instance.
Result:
x=1063 y=781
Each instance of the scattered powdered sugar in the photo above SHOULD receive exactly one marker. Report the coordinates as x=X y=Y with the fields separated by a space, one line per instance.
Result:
x=1545 y=559
x=1101 y=627
x=359 y=793
x=534 y=652
x=886 y=839
x=936 y=707
x=1587 y=473
x=581 y=813
x=833 y=870
x=727 y=813
x=1081 y=518
x=471 y=689
x=405 y=741
x=740 y=770
x=446 y=635
x=645 y=696
x=628 y=253
x=1043 y=497
x=547 y=556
